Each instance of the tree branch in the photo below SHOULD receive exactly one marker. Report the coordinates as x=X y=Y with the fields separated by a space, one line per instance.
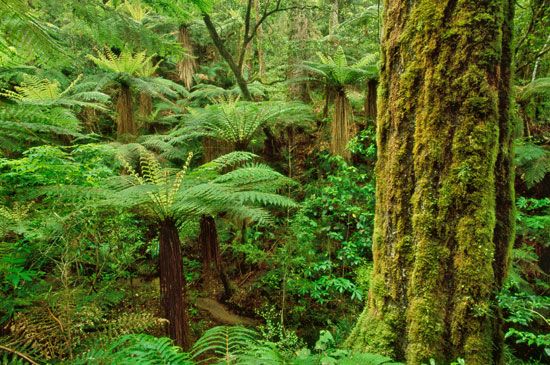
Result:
x=220 y=45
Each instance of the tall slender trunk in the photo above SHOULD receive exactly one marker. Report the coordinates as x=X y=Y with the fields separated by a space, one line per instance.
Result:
x=212 y=266
x=341 y=126
x=258 y=41
x=370 y=100
x=444 y=212
x=173 y=291
x=334 y=22
x=187 y=65
x=124 y=112
x=298 y=37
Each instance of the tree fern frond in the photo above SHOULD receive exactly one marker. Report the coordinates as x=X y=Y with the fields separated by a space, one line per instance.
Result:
x=43 y=92
x=126 y=62
x=238 y=122
x=224 y=342
x=21 y=33
x=231 y=159
x=533 y=162
x=539 y=86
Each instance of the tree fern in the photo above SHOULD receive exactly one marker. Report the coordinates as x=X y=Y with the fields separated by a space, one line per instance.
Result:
x=533 y=162
x=239 y=122
x=338 y=75
x=337 y=71
x=131 y=71
x=43 y=92
x=22 y=34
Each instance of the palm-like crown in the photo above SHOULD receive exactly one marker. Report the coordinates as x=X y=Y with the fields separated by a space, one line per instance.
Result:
x=185 y=194
x=238 y=122
x=338 y=72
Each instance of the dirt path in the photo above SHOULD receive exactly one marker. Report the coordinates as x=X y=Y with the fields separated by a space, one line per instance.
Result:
x=220 y=313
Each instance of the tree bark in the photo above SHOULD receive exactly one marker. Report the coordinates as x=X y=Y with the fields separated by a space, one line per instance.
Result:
x=220 y=46
x=212 y=266
x=298 y=36
x=370 y=100
x=145 y=105
x=341 y=126
x=124 y=112
x=173 y=291
x=444 y=214
x=186 y=66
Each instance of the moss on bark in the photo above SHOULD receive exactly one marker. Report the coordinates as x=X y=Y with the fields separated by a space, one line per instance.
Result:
x=443 y=222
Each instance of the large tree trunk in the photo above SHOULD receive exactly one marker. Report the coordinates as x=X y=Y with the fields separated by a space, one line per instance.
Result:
x=341 y=126
x=124 y=112
x=186 y=66
x=173 y=293
x=444 y=208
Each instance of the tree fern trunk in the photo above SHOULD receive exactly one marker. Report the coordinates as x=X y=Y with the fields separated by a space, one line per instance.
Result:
x=444 y=212
x=145 y=105
x=341 y=125
x=186 y=66
x=212 y=264
x=125 y=114
x=370 y=100
x=212 y=267
x=173 y=292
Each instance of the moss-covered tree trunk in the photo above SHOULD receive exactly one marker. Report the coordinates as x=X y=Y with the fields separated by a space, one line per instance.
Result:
x=444 y=213
x=173 y=292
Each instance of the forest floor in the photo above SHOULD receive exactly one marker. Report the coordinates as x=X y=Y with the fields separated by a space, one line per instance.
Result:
x=220 y=313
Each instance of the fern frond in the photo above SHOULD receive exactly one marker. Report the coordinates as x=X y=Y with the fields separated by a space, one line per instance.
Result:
x=126 y=62
x=43 y=92
x=238 y=122
x=224 y=342
x=533 y=162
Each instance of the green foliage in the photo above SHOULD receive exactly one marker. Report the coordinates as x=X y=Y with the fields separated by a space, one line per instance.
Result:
x=533 y=162
x=187 y=194
x=135 y=349
x=224 y=343
x=335 y=225
x=240 y=122
x=337 y=72
x=23 y=36
x=238 y=345
x=43 y=92
x=524 y=298
x=126 y=62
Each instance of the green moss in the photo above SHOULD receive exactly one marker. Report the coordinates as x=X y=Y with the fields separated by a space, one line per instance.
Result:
x=441 y=123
